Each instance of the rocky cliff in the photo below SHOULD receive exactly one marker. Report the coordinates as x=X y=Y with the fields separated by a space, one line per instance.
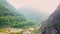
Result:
x=52 y=24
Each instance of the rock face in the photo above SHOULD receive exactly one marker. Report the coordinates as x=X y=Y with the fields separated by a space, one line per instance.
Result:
x=52 y=24
x=54 y=20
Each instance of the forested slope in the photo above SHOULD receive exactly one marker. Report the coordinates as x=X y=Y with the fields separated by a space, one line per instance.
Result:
x=9 y=17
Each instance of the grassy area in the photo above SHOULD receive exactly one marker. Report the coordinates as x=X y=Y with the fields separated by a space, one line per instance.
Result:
x=0 y=29
x=17 y=30
x=16 y=33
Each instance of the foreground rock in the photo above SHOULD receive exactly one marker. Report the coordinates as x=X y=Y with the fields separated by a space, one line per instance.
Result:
x=52 y=24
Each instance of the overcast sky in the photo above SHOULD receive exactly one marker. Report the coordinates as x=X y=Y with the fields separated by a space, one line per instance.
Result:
x=46 y=5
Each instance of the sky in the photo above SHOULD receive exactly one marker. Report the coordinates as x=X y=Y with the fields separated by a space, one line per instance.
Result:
x=46 y=5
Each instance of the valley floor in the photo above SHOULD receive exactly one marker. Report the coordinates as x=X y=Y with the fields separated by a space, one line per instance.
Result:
x=16 y=31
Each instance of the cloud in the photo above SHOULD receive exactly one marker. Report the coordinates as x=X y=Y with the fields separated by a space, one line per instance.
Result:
x=46 y=5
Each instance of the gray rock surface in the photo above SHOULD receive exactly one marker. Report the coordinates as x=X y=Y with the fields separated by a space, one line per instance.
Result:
x=52 y=24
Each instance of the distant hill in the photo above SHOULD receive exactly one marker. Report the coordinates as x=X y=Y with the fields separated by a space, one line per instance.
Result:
x=33 y=13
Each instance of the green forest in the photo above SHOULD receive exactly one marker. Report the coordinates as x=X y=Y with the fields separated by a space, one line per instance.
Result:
x=11 y=18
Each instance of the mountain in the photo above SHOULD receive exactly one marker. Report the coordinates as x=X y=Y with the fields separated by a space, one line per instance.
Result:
x=52 y=24
x=9 y=17
x=33 y=13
